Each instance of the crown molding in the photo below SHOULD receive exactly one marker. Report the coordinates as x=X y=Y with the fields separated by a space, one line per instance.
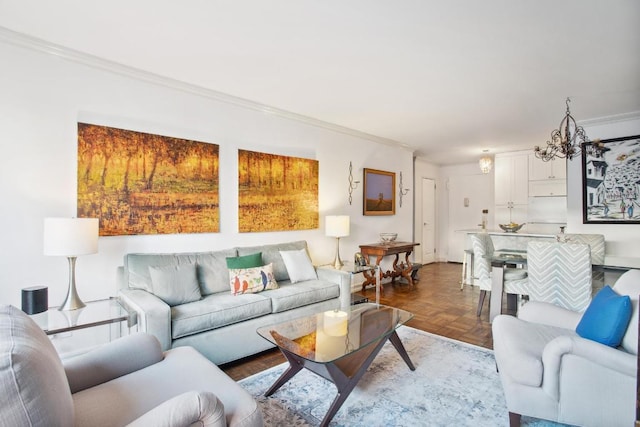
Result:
x=633 y=115
x=40 y=45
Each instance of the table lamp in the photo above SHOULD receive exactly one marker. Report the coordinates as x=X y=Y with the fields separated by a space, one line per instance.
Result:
x=337 y=226
x=71 y=237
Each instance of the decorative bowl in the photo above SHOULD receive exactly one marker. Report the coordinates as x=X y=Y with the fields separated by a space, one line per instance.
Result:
x=388 y=237
x=512 y=227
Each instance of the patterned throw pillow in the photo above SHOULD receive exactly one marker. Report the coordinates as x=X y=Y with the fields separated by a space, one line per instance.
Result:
x=251 y=280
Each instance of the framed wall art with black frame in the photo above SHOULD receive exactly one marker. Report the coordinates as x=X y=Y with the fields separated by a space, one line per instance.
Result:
x=379 y=192
x=611 y=181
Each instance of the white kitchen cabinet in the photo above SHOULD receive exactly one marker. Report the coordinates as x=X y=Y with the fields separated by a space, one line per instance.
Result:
x=548 y=187
x=540 y=170
x=511 y=179
x=547 y=178
x=511 y=187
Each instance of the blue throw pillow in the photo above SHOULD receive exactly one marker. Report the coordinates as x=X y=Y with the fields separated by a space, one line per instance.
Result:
x=607 y=317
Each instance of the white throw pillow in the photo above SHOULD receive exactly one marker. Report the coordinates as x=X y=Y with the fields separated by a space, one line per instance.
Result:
x=298 y=265
x=175 y=284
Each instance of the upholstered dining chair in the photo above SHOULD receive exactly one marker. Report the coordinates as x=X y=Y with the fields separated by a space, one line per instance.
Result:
x=597 y=245
x=515 y=279
x=560 y=273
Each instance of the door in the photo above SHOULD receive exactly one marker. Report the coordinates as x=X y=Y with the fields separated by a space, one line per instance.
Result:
x=468 y=196
x=428 y=245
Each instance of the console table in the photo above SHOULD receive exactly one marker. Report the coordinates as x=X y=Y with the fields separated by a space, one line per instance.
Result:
x=380 y=250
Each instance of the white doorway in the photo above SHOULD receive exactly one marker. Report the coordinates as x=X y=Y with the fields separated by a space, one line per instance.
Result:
x=428 y=230
x=468 y=196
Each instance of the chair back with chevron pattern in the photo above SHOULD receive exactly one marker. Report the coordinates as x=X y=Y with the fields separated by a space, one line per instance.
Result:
x=595 y=242
x=482 y=251
x=560 y=273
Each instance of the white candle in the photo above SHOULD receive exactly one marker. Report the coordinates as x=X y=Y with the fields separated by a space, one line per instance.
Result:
x=335 y=323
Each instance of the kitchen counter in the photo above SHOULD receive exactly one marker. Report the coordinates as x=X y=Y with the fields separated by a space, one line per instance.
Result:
x=503 y=241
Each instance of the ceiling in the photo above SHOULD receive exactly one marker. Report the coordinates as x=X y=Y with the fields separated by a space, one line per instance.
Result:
x=446 y=78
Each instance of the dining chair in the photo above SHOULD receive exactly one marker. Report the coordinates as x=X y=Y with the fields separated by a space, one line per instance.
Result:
x=596 y=243
x=560 y=273
x=515 y=279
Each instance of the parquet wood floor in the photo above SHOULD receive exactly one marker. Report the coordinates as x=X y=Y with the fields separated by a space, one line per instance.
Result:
x=438 y=305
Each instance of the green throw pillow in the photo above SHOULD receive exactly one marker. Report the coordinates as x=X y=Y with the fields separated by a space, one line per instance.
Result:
x=246 y=261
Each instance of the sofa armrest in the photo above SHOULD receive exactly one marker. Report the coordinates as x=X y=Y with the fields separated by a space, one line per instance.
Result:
x=608 y=358
x=341 y=278
x=191 y=408
x=153 y=314
x=115 y=359
x=549 y=314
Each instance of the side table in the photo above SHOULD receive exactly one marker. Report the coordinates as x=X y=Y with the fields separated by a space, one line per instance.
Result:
x=380 y=250
x=95 y=313
x=351 y=269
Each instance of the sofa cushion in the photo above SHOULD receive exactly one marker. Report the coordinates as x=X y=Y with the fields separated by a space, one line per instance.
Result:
x=520 y=357
x=136 y=267
x=298 y=265
x=293 y=295
x=215 y=311
x=629 y=284
x=245 y=261
x=175 y=284
x=271 y=254
x=33 y=384
x=182 y=370
x=251 y=280
x=213 y=274
x=606 y=318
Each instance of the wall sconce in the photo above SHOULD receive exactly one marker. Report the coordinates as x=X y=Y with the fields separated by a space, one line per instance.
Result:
x=486 y=163
x=401 y=190
x=352 y=184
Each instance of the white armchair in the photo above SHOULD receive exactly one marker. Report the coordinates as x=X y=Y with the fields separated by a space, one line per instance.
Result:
x=548 y=371
x=129 y=381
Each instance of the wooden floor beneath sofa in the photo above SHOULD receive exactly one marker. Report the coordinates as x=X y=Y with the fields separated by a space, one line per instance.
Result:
x=438 y=305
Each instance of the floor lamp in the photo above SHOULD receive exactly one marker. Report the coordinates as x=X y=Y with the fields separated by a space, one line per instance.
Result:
x=337 y=226
x=71 y=237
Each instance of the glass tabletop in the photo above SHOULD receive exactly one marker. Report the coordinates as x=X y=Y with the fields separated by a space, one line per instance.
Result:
x=95 y=313
x=330 y=335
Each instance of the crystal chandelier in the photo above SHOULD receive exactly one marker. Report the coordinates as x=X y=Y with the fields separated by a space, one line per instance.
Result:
x=565 y=141
x=486 y=163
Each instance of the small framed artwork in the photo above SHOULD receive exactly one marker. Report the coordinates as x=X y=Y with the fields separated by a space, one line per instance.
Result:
x=611 y=181
x=379 y=192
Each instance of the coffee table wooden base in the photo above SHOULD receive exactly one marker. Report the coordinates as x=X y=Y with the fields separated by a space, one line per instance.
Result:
x=344 y=372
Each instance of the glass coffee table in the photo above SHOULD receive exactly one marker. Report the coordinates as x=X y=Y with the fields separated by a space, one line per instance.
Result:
x=337 y=345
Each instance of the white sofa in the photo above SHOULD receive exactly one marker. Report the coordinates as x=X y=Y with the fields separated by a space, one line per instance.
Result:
x=220 y=325
x=548 y=371
x=129 y=381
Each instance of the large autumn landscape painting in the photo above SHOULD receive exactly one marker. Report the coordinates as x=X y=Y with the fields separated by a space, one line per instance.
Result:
x=276 y=193
x=140 y=183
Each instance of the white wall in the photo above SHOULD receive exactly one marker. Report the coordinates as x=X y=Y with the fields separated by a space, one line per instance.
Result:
x=622 y=240
x=44 y=95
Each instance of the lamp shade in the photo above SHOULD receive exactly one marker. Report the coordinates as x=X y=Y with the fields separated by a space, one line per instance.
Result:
x=70 y=236
x=337 y=225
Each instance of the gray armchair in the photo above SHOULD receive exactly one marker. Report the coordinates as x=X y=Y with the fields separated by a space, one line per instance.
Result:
x=129 y=381
x=548 y=371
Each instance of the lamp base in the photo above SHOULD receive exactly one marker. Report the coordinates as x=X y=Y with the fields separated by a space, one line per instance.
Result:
x=337 y=263
x=72 y=301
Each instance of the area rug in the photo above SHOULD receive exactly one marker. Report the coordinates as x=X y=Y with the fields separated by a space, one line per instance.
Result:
x=454 y=384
